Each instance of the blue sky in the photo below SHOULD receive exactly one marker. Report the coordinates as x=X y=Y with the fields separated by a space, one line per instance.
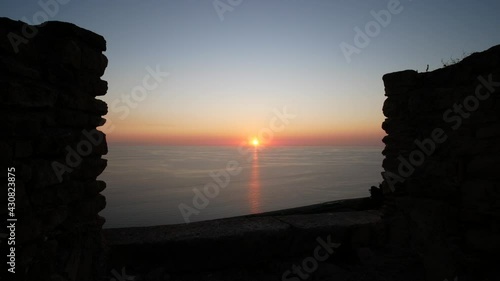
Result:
x=227 y=76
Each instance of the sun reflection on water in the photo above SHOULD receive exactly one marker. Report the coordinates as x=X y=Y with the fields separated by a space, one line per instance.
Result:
x=254 y=190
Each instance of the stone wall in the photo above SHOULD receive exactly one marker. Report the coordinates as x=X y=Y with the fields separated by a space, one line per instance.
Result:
x=442 y=165
x=50 y=77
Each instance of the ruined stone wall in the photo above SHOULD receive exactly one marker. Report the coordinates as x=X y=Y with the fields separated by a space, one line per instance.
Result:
x=442 y=165
x=50 y=77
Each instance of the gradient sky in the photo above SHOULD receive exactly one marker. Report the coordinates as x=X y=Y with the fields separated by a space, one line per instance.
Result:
x=228 y=76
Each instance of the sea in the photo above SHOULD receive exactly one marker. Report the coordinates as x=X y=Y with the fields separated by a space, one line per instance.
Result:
x=159 y=185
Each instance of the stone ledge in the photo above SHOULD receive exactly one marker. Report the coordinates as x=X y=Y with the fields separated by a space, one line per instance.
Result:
x=235 y=241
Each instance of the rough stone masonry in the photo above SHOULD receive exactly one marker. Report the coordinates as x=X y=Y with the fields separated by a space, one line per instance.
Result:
x=442 y=165
x=50 y=77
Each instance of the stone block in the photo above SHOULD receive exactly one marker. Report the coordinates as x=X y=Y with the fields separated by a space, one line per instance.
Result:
x=64 y=29
x=23 y=149
x=11 y=67
x=488 y=131
x=484 y=166
x=483 y=240
x=94 y=187
x=402 y=78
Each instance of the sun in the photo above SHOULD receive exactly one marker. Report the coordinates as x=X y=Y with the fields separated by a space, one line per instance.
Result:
x=255 y=142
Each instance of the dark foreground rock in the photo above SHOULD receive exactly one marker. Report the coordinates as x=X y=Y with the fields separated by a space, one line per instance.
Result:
x=441 y=166
x=342 y=245
x=49 y=78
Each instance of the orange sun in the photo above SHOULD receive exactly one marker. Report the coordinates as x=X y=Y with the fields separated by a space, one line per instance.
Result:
x=255 y=142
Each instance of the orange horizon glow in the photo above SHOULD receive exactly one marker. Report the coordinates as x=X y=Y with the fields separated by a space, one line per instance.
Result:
x=235 y=130
x=138 y=131
x=352 y=139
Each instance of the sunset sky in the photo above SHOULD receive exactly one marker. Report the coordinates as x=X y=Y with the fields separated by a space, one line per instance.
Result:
x=229 y=72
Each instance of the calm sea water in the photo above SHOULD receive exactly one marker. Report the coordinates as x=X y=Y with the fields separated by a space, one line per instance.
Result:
x=146 y=184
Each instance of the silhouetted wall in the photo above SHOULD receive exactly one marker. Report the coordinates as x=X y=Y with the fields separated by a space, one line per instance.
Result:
x=442 y=164
x=50 y=76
